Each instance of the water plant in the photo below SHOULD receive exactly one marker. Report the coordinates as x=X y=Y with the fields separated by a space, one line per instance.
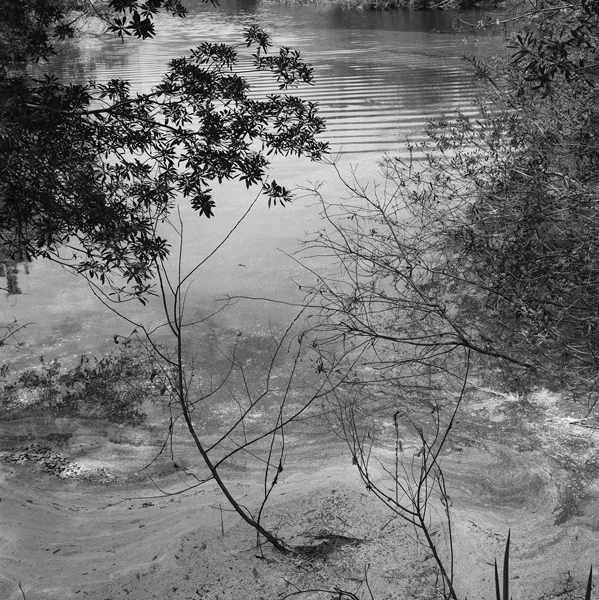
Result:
x=110 y=387
x=506 y=572
x=505 y=578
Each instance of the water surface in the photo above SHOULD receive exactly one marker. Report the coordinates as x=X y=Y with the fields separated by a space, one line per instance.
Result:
x=379 y=77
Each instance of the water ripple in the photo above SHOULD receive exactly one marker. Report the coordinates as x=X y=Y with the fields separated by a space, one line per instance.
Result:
x=379 y=79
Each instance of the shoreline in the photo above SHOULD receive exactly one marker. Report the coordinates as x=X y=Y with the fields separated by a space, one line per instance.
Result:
x=397 y=5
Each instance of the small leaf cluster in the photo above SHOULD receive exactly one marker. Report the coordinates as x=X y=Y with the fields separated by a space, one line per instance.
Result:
x=134 y=18
x=560 y=42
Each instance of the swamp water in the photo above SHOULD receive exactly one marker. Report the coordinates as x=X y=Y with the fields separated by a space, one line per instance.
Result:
x=379 y=77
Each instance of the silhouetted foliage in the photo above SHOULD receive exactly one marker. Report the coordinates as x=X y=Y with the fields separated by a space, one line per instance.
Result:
x=89 y=171
x=30 y=29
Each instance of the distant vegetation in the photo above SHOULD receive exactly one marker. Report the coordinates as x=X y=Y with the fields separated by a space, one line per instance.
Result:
x=396 y=4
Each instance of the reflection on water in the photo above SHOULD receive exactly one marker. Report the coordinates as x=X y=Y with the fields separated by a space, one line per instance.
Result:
x=9 y=270
x=9 y=273
x=379 y=77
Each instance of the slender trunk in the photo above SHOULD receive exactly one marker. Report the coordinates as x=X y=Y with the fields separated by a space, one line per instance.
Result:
x=182 y=395
x=431 y=544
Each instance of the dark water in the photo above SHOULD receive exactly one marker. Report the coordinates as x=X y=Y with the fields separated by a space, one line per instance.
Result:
x=379 y=77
